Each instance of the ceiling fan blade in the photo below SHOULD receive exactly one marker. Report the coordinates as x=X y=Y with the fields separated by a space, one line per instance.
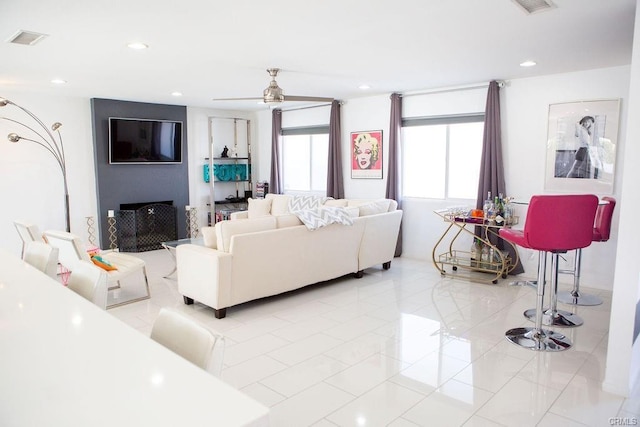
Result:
x=307 y=98
x=238 y=99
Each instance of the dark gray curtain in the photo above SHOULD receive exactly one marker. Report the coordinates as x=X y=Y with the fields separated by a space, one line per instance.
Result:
x=491 y=166
x=335 y=182
x=275 y=181
x=393 y=175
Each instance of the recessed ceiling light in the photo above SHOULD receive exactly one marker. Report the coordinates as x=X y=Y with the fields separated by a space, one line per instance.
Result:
x=137 y=45
x=176 y=93
x=28 y=38
x=364 y=87
x=528 y=63
x=58 y=81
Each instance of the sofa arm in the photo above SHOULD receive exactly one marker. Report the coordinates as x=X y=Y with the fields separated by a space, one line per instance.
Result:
x=204 y=275
x=239 y=215
x=379 y=238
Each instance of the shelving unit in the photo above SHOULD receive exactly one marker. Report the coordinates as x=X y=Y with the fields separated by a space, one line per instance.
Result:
x=230 y=182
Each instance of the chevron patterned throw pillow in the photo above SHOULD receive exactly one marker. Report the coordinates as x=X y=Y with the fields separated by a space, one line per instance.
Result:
x=299 y=203
x=316 y=218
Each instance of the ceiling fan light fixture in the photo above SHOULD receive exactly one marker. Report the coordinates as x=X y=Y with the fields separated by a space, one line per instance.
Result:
x=272 y=95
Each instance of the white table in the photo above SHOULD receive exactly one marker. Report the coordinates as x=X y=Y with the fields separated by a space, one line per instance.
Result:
x=65 y=362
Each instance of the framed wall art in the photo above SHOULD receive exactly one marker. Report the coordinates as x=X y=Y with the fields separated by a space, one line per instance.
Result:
x=582 y=141
x=366 y=154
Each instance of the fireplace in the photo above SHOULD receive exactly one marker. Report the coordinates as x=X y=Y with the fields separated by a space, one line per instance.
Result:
x=143 y=226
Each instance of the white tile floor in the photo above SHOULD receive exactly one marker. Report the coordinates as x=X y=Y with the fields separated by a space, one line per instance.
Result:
x=402 y=347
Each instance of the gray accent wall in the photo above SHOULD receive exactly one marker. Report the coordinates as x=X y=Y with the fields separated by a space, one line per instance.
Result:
x=135 y=183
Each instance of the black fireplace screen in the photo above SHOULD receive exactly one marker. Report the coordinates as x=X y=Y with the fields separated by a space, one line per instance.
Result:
x=145 y=228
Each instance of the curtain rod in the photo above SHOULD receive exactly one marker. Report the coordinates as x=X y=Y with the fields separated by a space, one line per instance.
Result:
x=451 y=89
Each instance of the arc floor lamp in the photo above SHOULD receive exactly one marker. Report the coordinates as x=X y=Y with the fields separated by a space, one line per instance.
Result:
x=46 y=140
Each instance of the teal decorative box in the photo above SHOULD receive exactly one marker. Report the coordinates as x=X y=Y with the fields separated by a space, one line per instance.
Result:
x=230 y=172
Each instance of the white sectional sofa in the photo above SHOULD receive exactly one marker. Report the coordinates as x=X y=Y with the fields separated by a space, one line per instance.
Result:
x=267 y=251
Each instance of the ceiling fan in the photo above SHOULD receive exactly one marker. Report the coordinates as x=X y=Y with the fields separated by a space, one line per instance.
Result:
x=274 y=93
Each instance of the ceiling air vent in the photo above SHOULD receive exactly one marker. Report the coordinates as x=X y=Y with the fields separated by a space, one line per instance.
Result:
x=534 y=6
x=28 y=38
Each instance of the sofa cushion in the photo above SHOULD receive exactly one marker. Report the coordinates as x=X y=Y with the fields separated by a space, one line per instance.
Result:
x=209 y=237
x=225 y=230
x=336 y=203
x=279 y=203
x=259 y=208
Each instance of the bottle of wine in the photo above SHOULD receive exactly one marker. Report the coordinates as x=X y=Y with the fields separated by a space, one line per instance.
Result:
x=499 y=210
x=488 y=207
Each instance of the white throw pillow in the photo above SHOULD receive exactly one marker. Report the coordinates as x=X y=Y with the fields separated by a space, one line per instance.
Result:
x=353 y=211
x=373 y=208
x=209 y=237
x=279 y=204
x=337 y=203
x=259 y=208
x=358 y=202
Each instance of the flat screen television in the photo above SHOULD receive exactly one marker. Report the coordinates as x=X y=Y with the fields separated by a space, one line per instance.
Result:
x=142 y=141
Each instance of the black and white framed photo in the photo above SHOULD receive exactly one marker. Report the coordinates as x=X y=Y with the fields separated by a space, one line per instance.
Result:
x=582 y=143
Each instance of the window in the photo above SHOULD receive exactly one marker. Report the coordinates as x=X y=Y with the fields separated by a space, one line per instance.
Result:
x=305 y=154
x=441 y=157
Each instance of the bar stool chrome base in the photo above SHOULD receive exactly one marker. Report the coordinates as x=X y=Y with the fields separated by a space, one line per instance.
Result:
x=542 y=340
x=561 y=318
x=576 y=298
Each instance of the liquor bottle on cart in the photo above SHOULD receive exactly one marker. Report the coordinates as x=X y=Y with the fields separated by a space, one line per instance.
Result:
x=499 y=210
x=488 y=207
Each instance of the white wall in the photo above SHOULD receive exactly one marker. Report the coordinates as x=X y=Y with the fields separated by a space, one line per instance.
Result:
x=620 y=365
x=30 y=179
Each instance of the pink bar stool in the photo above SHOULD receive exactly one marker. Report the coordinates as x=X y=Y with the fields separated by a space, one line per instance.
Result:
x=601 y=233
x=554 y=224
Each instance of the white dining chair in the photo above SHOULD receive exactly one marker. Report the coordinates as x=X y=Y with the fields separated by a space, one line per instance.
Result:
x=42 y=256
x=73 y=250
x=28 y=232
x=90 y=282
x=189 y=339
